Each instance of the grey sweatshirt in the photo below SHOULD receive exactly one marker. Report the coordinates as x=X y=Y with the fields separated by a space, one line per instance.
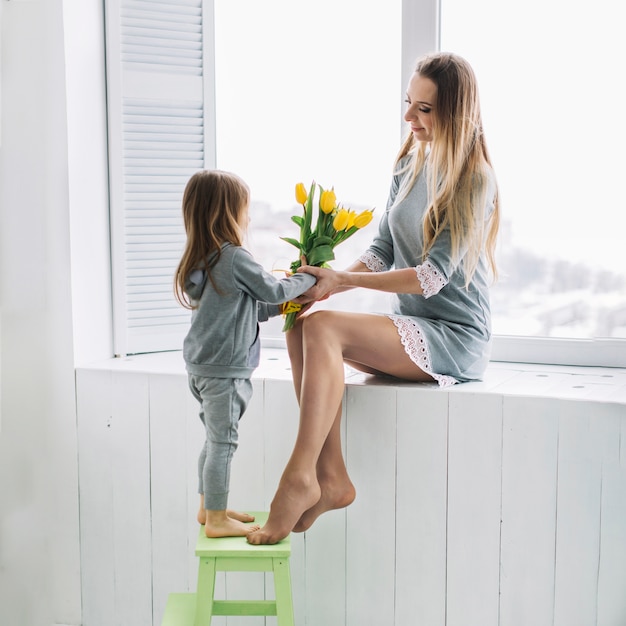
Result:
x=223 y=341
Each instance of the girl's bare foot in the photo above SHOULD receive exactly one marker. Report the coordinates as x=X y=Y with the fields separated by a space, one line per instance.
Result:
x=240 y=517
x=335 y=495
x=293 y=497
x=221 y=524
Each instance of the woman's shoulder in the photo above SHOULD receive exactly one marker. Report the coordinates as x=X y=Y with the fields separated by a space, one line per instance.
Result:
x=403 y=166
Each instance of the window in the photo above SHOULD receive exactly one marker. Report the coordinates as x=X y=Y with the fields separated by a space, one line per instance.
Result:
x=552 y=94
x=283 y=92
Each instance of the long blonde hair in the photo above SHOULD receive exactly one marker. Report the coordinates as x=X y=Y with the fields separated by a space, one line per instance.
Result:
x=213 y=206
x=459 y=168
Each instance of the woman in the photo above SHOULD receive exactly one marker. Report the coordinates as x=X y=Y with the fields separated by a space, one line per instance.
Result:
x=435 y=251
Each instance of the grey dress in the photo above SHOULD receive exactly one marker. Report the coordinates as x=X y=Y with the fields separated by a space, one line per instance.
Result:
x=447 y=330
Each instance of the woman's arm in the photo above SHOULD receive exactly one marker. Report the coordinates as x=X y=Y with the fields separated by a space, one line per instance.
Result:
x=357 y=266
x=313 y=295
x=392 y=281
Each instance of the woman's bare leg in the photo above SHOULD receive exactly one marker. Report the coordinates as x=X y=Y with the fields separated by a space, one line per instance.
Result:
x=328 y=337
x=337 y=490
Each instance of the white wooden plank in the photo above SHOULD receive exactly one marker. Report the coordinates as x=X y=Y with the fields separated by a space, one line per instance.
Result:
x=311 y=560
x=325 y=564
x=421 y=503
x=281 y=416
x=604 y=427
x=529 y=466
x=370 y=546
x=622 y=437
x=246 y=494
x=131 y=499
x=612 y=569
x=195 y=437
x=94 y=412
x=168 y=462
x=474 y=506
x=578 y=516
x=246 y=475
x=194 y=440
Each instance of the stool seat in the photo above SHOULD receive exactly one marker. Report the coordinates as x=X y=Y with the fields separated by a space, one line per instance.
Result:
x=234 y=554
x=239 y=547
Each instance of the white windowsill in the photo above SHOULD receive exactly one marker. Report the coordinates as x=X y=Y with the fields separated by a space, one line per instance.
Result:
x=598 y=384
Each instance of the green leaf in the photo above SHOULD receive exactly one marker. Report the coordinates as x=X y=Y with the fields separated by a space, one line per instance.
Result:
x=320 y=255
x=299 y=220
x=293 y=242
x=290 y=320
x=344 y=234
x=322 y=240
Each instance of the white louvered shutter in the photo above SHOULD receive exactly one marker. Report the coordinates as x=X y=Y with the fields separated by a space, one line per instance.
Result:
x=160 y=91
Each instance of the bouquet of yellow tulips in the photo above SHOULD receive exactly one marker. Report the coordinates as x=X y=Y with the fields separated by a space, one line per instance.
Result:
x=334 y=224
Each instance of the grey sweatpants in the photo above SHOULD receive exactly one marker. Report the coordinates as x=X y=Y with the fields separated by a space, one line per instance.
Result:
x=222 y=403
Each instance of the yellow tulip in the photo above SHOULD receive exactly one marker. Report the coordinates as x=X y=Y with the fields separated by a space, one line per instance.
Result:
x=301 y=194
x=363 y=219
x=291 y=307
x=341 y=219
x=328 y=201
x=351 y=218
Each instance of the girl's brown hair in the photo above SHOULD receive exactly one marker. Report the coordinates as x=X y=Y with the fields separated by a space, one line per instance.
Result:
x=214 y=202
x=459 y=166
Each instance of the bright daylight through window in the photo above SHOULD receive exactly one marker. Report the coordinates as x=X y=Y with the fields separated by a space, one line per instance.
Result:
x=292 y=106
x=304 y=98
x=552 y=95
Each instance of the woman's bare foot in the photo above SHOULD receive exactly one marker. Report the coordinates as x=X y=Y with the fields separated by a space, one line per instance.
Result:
x=335 y=495
x=293 y=497
x=221 y=524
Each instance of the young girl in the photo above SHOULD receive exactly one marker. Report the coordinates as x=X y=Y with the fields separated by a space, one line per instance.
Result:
x=435 y=252
x=228 y=293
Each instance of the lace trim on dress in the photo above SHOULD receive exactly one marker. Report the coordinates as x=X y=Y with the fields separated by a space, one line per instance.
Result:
x=416 y=347
x=430 y=278
x=372 y=262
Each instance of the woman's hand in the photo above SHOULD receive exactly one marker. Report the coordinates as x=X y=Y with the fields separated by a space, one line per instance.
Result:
x=327 y=282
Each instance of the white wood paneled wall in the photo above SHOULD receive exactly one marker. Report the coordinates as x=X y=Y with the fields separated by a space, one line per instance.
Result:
x=492 y=504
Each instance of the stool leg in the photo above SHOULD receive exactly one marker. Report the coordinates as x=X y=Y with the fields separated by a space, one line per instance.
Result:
x=282 y=587
x=205 y=592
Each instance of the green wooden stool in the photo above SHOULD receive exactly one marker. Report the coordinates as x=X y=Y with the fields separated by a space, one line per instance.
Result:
x=233 y=554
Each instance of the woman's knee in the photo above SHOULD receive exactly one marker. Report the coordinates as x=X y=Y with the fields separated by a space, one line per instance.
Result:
x=317 y=322
x=323 y=328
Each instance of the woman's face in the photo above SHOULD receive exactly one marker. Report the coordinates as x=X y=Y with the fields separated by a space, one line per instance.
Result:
x=421 y=95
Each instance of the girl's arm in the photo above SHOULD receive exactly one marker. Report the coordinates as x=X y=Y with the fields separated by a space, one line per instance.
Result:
x=249 y=276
